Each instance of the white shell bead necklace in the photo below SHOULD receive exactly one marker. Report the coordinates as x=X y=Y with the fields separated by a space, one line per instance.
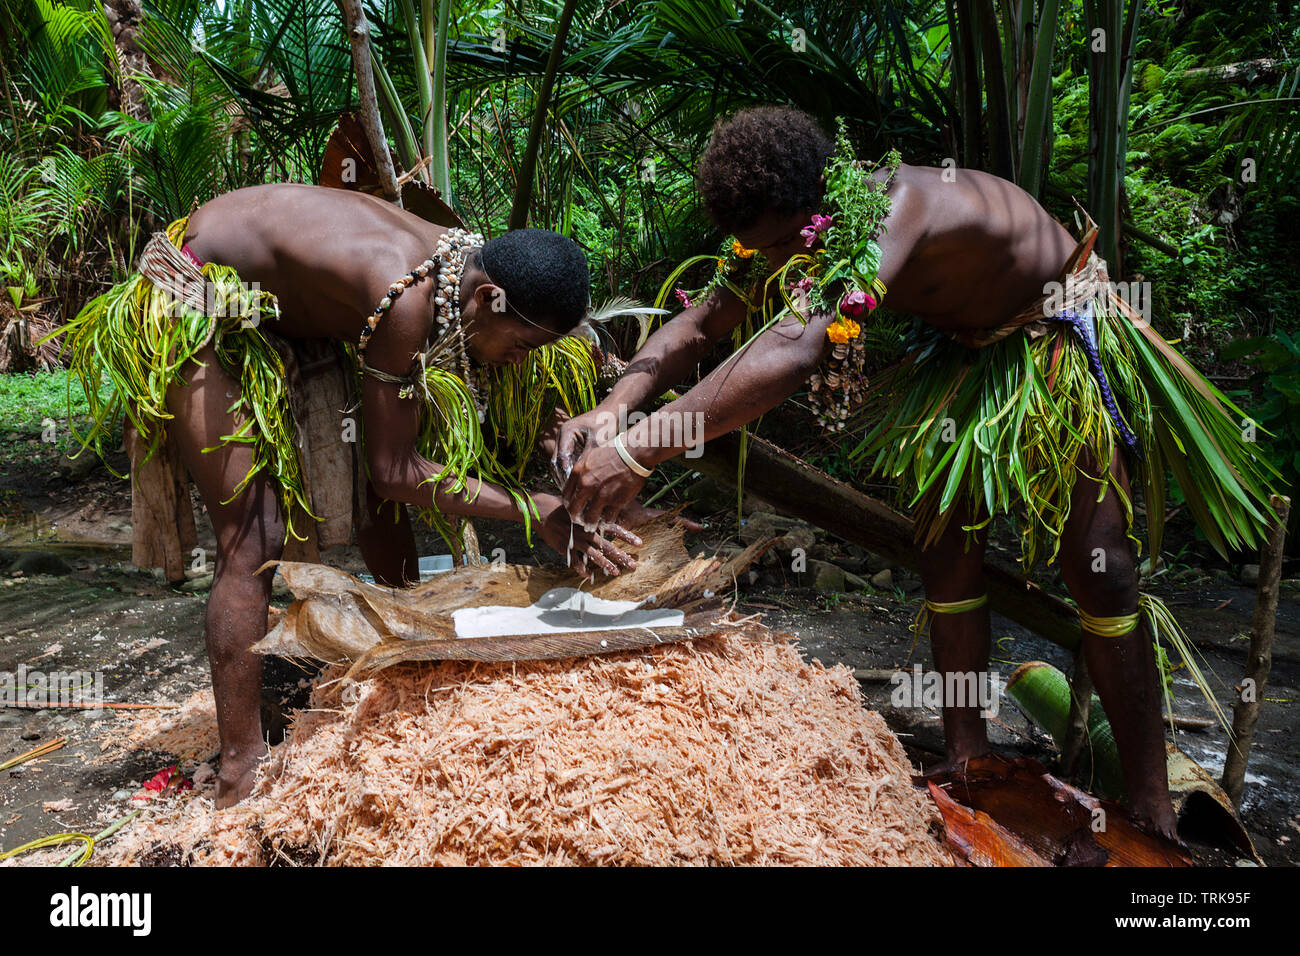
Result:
x=448 y=261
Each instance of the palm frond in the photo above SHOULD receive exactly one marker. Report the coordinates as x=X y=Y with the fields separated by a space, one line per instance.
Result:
x=623 y=305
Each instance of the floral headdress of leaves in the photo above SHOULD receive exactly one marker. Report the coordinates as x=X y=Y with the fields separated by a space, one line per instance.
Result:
x=839 y=271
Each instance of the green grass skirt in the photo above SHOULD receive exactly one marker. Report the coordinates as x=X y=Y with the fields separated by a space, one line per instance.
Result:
x=1003 y=428
x=138 y=338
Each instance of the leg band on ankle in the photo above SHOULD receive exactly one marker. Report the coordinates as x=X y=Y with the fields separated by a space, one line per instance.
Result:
x=956 y=607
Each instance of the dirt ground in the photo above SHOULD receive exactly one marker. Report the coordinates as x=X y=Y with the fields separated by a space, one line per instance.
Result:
x=97 y=613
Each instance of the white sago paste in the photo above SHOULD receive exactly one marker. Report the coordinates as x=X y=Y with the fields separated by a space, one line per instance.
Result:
x=562 y=611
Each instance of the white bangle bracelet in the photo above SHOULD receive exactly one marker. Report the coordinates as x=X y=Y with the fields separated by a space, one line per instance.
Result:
x=628 y=460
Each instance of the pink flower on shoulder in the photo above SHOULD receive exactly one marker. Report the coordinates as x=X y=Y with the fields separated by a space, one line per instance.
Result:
x=856 y=304
x=683 y=298
x=814 y=229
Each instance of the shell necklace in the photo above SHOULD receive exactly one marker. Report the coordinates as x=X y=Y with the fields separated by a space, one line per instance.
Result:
x=448 y=261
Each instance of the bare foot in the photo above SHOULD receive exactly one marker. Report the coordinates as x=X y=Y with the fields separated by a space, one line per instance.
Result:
x=236 y=776
x=1156 y=817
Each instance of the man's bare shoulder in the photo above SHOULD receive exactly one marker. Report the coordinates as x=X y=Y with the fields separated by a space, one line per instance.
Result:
x=954 y=198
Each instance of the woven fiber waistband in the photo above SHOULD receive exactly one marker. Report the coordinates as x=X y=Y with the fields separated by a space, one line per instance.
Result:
x=174 y=271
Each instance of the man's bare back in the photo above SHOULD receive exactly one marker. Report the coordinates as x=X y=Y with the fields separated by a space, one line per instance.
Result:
x=977 y=248
x=328 y=255
x=966 y=252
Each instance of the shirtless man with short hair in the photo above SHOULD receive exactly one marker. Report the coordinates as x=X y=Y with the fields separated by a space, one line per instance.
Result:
x=328 y=256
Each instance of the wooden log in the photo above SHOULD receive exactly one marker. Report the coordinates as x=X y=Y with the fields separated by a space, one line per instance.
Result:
x=805 y=492
x=1229 y=74
x=1185 y=722
x=1245 y=714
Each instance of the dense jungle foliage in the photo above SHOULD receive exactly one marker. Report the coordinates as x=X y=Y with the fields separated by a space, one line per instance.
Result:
x=119 y=116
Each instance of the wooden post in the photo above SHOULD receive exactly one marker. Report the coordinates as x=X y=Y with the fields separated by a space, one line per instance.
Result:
x=1246 y=711
x=359 y=36
x=1076 y=728
x=162 y=518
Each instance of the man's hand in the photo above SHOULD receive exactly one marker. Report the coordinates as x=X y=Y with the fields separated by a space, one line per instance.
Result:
x=576 y=434
x=637 y=514
x=578 y=546
x=600 y=486
x=549 y=436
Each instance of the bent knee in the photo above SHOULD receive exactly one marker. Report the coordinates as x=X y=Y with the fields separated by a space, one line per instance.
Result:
x=1103 y=580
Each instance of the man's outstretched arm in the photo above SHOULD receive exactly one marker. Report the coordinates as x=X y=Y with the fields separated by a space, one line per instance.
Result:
x=399 y=473
x=664 y=361
x=757 y=379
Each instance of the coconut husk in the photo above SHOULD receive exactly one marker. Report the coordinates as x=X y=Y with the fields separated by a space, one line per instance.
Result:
x=1001 y=811
x=338 y=618
x=724 y=748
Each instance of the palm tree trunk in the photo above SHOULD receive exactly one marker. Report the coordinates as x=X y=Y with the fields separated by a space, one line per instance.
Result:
x=1112 y=37
x=962 y=33
x=528 y=168
x=1002 y=160
x=359 y=37
x=123 y=18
